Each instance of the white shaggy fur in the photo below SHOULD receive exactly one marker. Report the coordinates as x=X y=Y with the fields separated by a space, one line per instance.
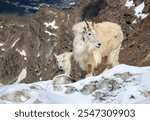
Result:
x=63 y=62
x=87 y=40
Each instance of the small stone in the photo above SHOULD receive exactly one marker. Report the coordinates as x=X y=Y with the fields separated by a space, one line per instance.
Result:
x=88 y=89
x=99 y=96
x=70 y=89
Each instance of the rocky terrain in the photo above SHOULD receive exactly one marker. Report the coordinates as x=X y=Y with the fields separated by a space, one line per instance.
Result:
x=27 y=42
x=122 y=84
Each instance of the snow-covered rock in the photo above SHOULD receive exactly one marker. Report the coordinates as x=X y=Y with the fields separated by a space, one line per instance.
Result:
x=121 y=84
x=139 y=11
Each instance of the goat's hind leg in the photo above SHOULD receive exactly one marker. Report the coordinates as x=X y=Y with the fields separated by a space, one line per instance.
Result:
x=113 y=57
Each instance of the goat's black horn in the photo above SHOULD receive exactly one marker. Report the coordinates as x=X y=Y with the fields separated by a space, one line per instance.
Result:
x=87 y=23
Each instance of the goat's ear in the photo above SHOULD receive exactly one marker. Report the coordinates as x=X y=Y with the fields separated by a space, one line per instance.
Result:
x=93 y=24
x=55 y=55
x=84 y=29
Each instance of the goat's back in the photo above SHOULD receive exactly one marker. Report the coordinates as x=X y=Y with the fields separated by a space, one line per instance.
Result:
x=110 y=36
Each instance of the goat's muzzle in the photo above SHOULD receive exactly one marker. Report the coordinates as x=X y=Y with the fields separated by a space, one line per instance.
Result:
x=98 y=45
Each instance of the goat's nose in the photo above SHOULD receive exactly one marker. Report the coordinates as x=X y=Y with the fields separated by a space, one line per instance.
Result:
x=60 y=67
x=98 y=45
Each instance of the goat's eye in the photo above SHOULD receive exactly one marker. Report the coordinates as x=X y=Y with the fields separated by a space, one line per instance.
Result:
x=89 y=33
x=57 y=62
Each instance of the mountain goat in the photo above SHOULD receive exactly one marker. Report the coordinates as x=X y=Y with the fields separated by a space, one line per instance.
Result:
x=64 y=62
x=67 y=64
x=93 y=41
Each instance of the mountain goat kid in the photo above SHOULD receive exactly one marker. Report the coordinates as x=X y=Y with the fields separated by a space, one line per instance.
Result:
x=64 y=62
x=93 y=41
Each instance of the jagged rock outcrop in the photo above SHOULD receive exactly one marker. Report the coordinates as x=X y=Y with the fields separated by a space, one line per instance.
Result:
x=45 y=32
x=136 y=45
x=27 y=42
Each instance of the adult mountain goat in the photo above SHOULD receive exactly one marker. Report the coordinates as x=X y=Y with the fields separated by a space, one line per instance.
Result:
x=93 y=41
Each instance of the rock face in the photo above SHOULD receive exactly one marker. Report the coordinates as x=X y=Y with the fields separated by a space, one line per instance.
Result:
x=38 y=37
x=27 y=43
x=136 y=45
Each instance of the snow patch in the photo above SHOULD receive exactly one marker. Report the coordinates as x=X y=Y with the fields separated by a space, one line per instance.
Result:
x=50 y=34
x=1 y=27
x=22 y=75
x=68 y=16
x=51 y=24
x=134 y=87
x=138 y=11
x=38 y=55
x=52 y=12
x=129 y=3
x=40 y=79
x=72 y=3
x=15 y=42
x=21 y=25
x=135 y=21
x=48 y=40
x=3 y=49
x=23 y=53
x=1 y=44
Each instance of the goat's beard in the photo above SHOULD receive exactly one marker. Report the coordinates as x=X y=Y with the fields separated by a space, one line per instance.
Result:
x=90 y=47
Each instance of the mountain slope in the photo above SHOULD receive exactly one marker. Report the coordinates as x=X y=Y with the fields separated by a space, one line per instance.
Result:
x=121 y=84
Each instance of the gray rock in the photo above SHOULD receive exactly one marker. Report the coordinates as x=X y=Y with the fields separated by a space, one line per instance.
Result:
x=88 y=89
x=70 y=89
x=123 y=76
x=99 y=95
x=37 y=44
x=18 y=96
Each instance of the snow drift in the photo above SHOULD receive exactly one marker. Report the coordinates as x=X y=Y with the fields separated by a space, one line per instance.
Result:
x=122 y=84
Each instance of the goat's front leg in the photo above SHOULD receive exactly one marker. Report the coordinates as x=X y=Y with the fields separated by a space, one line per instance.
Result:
x=90 y=70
